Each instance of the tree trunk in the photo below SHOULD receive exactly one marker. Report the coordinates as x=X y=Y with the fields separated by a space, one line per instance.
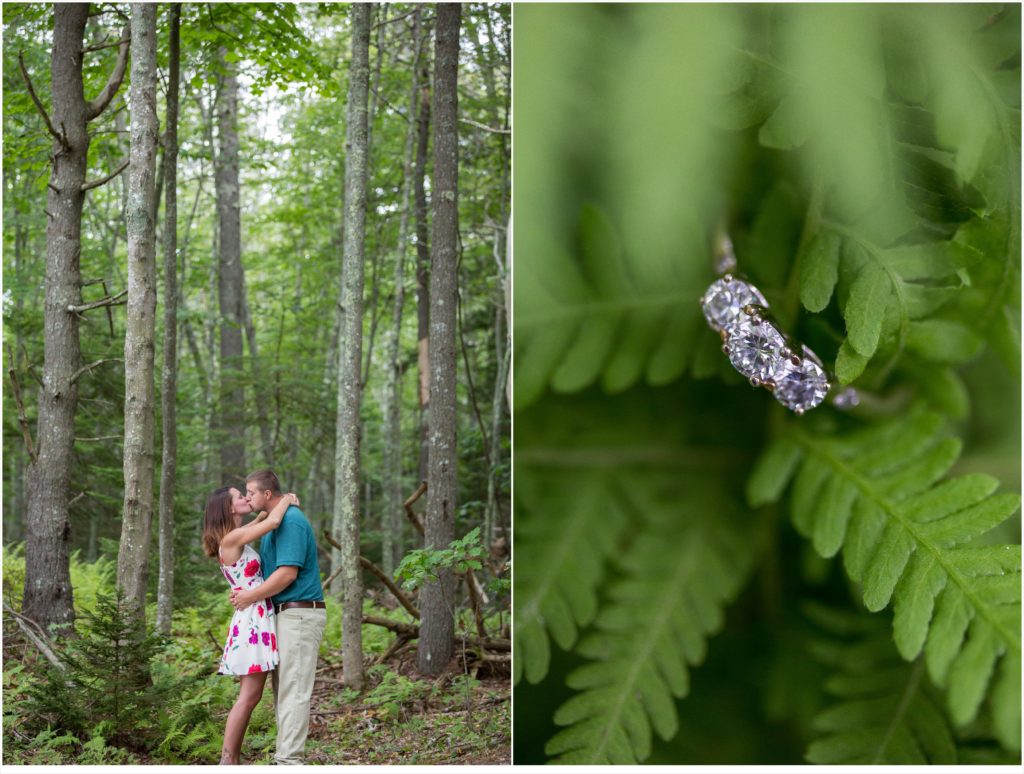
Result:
x=231 y=412
x=422 y=261
x=169 y=387
x=140 y=325
x=14 y=515
x=346 y=489
x=48 y=596
x=493 y=520
x=259 y=384
x=437 y=599
x=391 y=524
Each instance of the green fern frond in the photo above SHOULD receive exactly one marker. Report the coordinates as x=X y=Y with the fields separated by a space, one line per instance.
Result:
x=909 y=540
x=604 y=318
x=669 y=598
x=886 y=711
x=562 y=548
x=919 y=222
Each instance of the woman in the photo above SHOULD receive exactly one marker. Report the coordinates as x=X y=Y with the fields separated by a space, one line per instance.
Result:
x=251 y=649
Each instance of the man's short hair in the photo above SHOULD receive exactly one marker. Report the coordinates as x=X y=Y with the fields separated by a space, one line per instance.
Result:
x=265 y=479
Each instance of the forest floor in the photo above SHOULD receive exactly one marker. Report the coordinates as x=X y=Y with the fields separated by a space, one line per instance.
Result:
x=456 y=718
x=460 y=717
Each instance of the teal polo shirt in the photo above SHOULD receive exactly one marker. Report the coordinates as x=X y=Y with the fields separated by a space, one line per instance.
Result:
x=293 y=544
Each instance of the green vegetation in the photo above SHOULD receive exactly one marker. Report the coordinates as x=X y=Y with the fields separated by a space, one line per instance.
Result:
x=56 y=718
x=703 y=576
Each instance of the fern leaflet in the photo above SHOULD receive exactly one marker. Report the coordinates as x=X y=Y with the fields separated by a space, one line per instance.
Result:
x=886 y=710
x=674 y=582
x=908 y=539
x=607 y=318
x=561 y=552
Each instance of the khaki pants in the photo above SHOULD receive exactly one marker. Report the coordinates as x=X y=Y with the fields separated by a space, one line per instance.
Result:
x=299 y=631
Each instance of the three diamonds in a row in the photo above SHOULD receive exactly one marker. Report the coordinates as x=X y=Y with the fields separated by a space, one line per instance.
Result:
x=758 y=350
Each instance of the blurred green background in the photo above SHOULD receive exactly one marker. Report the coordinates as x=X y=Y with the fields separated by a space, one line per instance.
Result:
x=642 y=130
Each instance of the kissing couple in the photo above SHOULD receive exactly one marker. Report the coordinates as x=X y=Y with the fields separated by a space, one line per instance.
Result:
x=280 y=614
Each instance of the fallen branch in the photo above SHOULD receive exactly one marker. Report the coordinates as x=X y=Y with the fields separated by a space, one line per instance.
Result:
x=108 y=301
x=97 y=183
x=412 y=630
x=420 y=491
x=396 y=592
x=403 y=600
x=38 y=640
x=393 y=648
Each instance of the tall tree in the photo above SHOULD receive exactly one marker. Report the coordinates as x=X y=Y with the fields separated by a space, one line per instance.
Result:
x=48 y=596
x=422 y=260
x=346 y=481
x=487 y=57
x=436 y=600
x=229 y=278
x=169 y=386
x=140 y=326
x=392 y=519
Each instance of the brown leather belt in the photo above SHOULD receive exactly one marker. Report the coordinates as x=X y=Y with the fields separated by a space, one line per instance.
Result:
x=285 y=605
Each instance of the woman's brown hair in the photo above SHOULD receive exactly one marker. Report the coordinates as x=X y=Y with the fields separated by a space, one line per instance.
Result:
x=218 y=519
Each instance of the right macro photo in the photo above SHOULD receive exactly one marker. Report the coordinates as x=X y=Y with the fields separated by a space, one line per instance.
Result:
x=767 y=384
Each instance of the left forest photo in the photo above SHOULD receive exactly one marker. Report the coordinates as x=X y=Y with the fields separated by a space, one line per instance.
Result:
x=256 y=353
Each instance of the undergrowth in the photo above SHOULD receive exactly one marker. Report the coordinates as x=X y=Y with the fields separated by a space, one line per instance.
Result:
x=177 y=714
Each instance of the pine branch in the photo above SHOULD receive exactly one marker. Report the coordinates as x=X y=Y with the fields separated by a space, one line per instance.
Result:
x=96 y=106
x=58 y=136
x=100 y=181
x=114 y=300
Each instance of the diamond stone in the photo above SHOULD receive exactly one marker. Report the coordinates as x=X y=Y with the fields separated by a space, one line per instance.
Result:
x=723 y=302
x=755 y=349
x=800 y=387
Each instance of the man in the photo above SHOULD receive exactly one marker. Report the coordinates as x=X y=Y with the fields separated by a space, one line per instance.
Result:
x=292 y=582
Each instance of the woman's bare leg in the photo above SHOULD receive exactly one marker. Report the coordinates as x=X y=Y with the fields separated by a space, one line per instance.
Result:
x=238 y=718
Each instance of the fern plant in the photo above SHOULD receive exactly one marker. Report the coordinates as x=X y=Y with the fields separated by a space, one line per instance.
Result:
x=871 y=188
x=881 y=709
x=907 y=540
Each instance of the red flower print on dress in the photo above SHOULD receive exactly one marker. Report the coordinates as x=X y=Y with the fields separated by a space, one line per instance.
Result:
x=255 y=668
x=252 y=568
x=259 y=609
x=273 y=641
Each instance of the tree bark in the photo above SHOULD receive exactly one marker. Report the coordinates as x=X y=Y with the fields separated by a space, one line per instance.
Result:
x=231 y=412
x=392 y=521
x=48 y=596
x=494 y=520
x=437 y=599
x=346 y=489
x=259 y=384
x=422 y=261
x=169 y=387
x=140 y=326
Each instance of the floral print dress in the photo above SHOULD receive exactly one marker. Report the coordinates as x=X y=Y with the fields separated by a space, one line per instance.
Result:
x=252 y=634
